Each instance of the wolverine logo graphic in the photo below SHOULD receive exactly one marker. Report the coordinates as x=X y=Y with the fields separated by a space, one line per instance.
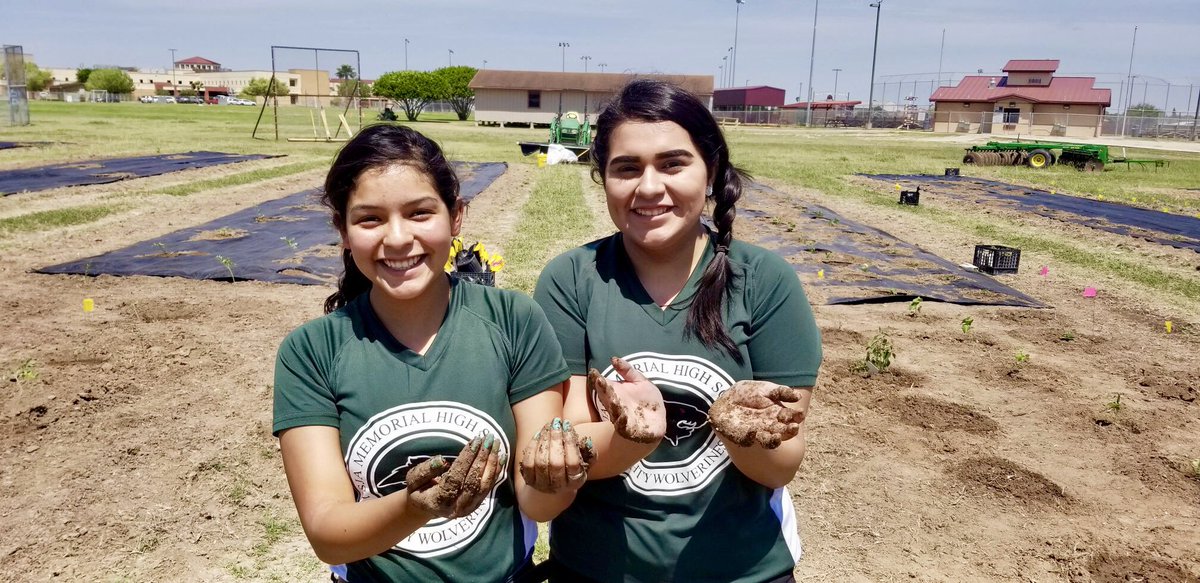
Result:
x=682 y=421
x=397 y=479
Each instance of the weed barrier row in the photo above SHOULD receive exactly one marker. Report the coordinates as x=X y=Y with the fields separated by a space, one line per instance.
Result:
x=104 y=171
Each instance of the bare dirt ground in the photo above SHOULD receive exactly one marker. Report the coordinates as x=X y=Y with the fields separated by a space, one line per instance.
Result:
x=135 y=439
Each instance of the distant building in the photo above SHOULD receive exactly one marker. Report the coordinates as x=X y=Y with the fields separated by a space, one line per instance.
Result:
x=757 y=98
x=830 y=112
x=535 y=97
x=1029 y=100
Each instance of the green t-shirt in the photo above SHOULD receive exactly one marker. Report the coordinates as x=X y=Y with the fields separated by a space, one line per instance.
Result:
x=395 y=408
x=685 y=512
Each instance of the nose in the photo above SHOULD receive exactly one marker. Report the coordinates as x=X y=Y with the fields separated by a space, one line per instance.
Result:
x=397 y=234
x=650 y=184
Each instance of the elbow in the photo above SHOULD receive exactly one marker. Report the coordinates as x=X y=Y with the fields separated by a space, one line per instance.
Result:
x=776 y=482
x=331 y=555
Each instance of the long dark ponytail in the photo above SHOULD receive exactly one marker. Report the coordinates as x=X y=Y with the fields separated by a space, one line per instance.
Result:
x=375 y=148
x=648 y=100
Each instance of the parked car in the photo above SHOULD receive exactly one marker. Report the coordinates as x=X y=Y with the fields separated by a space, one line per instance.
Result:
x=146 y=99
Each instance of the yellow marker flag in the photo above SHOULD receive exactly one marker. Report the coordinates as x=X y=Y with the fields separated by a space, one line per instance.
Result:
x=88 y=304
x=1099 y=197
x=897 y=187
x=1168 y=323
x=1053 y=192
x=820 y=274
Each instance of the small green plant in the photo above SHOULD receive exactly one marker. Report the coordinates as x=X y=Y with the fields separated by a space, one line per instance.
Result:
x=225 y=233
x=879 y=353
x=1067 y=336
x=26 y=372
x=914 y=307
x=229 y=264
x=162 y=248
x=260 y=218
x=291 y=243
x=1115 y=404
x=1195 y=465
x=1022 y=356
x=966 y=324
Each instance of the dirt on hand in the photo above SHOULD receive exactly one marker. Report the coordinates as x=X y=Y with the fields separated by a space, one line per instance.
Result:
x=635 y=408
x=456 y=491
x=556 y=458
x=753 y=412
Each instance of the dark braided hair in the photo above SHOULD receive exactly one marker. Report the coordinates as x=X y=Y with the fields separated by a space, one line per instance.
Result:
x=375 y=148
x=652 y=101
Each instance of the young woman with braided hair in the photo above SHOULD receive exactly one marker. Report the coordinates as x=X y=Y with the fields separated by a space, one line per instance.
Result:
x=724 y=331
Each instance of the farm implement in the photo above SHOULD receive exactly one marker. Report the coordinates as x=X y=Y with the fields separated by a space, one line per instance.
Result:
x=567 y=130
x=1085 y=157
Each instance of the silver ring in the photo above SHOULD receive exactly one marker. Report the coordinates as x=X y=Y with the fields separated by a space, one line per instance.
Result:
x=575 y=477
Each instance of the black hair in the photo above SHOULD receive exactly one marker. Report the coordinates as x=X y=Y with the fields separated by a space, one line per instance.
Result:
x=652 y=101
x=375 y=148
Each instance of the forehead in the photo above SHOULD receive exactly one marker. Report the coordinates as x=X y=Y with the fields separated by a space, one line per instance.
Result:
x=648 y=138
x=396 y=183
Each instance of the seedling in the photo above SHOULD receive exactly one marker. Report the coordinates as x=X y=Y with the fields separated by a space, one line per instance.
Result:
x=162 y=248
x=879 y=353
x=1022 y=356
x=260 y=218
x=27 y=371
x=228 y=263
x=966 y=324
x=291 y=243
x=914 y=307
x=1067 y=336
x=1115 y=404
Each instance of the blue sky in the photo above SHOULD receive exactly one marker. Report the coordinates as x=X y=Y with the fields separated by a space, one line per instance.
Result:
x=670 y=36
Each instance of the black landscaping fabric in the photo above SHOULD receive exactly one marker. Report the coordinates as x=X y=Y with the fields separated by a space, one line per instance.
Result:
x=288 y=240
x=863 y=264
x=7 y=145
x=111 y=170
x=1179 y=231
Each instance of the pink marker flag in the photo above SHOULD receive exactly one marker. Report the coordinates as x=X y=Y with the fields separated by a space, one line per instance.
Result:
x=1044 y=271
x=1089 y=292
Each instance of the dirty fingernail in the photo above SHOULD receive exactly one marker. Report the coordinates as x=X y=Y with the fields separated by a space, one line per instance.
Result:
x=566 y=425
x=436 y=463
x=537 y=435
x=475 y=444
x=503 y=459
x=487 y=441
x=557 y=425
x=589 y=442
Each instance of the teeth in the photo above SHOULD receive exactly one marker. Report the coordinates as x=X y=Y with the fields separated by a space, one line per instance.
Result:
x=400 y=265
x=654 y=212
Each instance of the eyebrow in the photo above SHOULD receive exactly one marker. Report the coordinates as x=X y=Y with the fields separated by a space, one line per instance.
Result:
x=374 y=207
x=659 y=156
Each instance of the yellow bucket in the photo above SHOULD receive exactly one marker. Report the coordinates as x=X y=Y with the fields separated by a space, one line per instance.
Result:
x=541 y=160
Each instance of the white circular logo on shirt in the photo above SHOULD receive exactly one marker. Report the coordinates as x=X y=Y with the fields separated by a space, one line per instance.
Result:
x=382 y=451
x=690 y=455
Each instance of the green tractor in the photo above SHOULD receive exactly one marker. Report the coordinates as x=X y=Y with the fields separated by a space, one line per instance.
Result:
x=1035 y=154
x=569 y=130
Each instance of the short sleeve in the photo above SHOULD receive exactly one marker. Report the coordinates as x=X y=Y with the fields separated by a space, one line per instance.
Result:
x=302 y=392
x=557 y=293
x=785 y=342
x=537 y=362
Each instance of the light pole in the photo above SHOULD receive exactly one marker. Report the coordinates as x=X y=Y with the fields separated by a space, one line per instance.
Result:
x=728 y=81
x=450 y=57
x=835 y=78
x=733 y=66
x=724 y=62
x=1129 y=75
x=585 y=60
x=174 y=83
x=812 y=55
x=484 y=64
x=564 y=46
x=941 y=50
x=721 y=69
x=603 y=66
x=405 y=54
x=874 y=52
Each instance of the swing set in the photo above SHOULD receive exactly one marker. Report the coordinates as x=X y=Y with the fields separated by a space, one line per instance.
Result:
x=315 y=102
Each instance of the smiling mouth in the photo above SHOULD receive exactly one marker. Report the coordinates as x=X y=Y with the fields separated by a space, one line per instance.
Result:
x=401 y=265
x=652 y=212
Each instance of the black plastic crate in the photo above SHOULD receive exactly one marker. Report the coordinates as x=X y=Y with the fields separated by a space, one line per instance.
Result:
x=482 y=278
x=952 y=172
x=912 y=197
x=997 y=259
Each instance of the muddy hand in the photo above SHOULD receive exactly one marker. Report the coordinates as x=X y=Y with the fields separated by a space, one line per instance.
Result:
x=459 y=489
x=753 y=412
x=556 y=458
x=634 y=405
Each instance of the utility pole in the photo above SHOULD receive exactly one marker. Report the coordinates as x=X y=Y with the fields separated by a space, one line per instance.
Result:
x=564 y=46
x=874 y=52
x=733 y=65
x=941 y=51
x=835 y=79
x=450 y=57
x=812 y=55
x=585 y=60
x=405 y=54
x=174 y=83
x=1129 y=76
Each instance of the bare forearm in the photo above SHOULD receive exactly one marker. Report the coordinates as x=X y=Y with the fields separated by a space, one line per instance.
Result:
x=772 y=468
x=543 y=507
x=614 y=454
x=352 y=531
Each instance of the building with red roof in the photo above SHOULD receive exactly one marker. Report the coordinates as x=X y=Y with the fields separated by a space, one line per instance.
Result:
x=1030 y=100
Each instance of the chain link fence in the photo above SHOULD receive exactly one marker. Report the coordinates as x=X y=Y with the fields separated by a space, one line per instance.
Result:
x=14 y=75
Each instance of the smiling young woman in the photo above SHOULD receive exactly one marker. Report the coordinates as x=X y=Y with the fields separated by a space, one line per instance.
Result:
x=724 y=331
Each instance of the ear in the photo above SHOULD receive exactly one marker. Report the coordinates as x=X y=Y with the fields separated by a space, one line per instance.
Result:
x=456 y=217
x=339 y=224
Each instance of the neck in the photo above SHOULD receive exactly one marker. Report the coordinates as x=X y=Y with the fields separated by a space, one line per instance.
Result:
x=663 y=272
x=414 y=323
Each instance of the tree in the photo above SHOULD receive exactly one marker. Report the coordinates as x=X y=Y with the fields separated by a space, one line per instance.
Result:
x=81 y=74
x=1143 y=110
x=346 y=88
x=258 y=87
x=35 y=79
x=456 y=81
x=114 y=81
x=345 y=72
x=413 y=90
